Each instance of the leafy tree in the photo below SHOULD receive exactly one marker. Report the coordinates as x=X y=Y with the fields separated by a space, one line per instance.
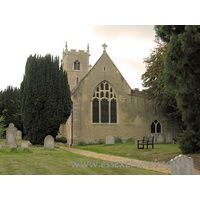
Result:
x=45 y=98
x=153 y=81
x=181 y=75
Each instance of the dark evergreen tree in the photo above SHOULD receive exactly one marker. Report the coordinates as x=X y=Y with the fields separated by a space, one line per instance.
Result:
x=10 y=107
x=181 y=75
x=45 y=98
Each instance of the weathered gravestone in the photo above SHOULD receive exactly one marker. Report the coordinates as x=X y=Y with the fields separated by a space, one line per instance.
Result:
x=18 y=135
x=11 y=136
x=110 y=140
x=182 y=165
x=24 y=145
x=49 y=142
x=0 y=146
x=13 y=146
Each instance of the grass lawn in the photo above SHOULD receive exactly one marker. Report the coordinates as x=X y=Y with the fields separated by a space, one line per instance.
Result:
x=40 y=161
x=161 y=152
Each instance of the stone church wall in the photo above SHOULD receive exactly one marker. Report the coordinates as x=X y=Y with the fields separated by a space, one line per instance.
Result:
x=135 y=114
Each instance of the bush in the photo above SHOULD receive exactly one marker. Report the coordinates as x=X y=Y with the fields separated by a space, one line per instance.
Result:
x=189 y=142
x=101 y=142
x=61 y=139
x=131 y=141
x=118 y=140
x=81 y=143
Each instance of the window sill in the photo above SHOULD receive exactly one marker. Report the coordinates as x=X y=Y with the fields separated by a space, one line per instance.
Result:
x=105 y=123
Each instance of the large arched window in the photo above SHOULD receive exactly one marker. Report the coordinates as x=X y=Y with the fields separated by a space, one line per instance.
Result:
x=104 y=104
x=76 y=65
x=156 y=127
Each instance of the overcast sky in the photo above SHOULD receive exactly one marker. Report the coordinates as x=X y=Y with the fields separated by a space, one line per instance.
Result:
x=43 y=27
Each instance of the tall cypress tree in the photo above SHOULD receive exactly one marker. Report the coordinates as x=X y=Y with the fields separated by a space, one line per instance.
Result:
x=10 y=107
x=182 y=74
x=43 y=97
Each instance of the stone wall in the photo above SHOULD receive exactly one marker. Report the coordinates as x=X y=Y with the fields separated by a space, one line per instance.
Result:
x=134 y=112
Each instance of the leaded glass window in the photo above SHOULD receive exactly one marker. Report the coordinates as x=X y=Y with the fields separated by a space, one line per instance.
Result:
x=156 y=127
x=96 y=111
x=104 y=111
x=104 y=104
x=76 y=65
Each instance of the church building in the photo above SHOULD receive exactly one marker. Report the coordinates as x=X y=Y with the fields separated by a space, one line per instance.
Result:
x=104 y=104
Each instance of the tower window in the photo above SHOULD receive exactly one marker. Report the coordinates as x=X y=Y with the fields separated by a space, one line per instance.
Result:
x=76 y=65
x=104 y=105
x=156 y=127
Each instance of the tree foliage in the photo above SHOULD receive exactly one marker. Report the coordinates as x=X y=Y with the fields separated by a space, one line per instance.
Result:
x=45 y=98
x=2 y=127
x=153 y=81
x=181 y=75
x=10 y=107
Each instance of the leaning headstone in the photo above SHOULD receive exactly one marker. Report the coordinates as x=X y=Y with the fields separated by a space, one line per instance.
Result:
x=11 y=136
x=110 y=140
x=24 y=145
x=18 y=135
x=182 y=165
x=0 y=146
x=49 y=142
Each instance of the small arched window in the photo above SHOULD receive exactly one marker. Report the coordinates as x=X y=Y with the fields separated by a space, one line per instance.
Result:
x=76 y=65
x=77 y=80
x=156 y=127
x=104 y=104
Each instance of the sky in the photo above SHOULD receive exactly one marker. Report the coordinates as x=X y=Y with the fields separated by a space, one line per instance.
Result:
x=42 y=27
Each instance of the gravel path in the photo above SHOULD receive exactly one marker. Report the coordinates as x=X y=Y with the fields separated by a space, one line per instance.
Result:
x=156 y=166
x=143 y=164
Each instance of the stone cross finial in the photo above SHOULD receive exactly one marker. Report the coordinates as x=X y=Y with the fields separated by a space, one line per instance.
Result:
x=66 y=45
x=104 y=47
x=88 y=47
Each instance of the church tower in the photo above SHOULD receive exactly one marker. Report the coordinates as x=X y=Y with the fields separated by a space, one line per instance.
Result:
x=76 y=63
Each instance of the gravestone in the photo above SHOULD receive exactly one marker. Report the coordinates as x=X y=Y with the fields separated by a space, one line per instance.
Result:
x=182 y=165
x=49 y=142
x=11 y=136
x=18 y=135
x=0 y=146
x=110 y=140
x=24 y=145
x=12 y=145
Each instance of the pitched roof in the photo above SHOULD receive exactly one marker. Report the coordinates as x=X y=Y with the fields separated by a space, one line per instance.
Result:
x=104 y=54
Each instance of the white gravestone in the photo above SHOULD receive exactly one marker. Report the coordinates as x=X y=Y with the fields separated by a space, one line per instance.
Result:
x=24 y=145
x=11 y=136
x=49 y=142
x=18 y=135
x=110 y=140
x=182 y=165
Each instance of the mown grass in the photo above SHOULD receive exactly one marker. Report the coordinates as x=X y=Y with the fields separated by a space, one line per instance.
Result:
x=40 y=161
x=161 y=152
